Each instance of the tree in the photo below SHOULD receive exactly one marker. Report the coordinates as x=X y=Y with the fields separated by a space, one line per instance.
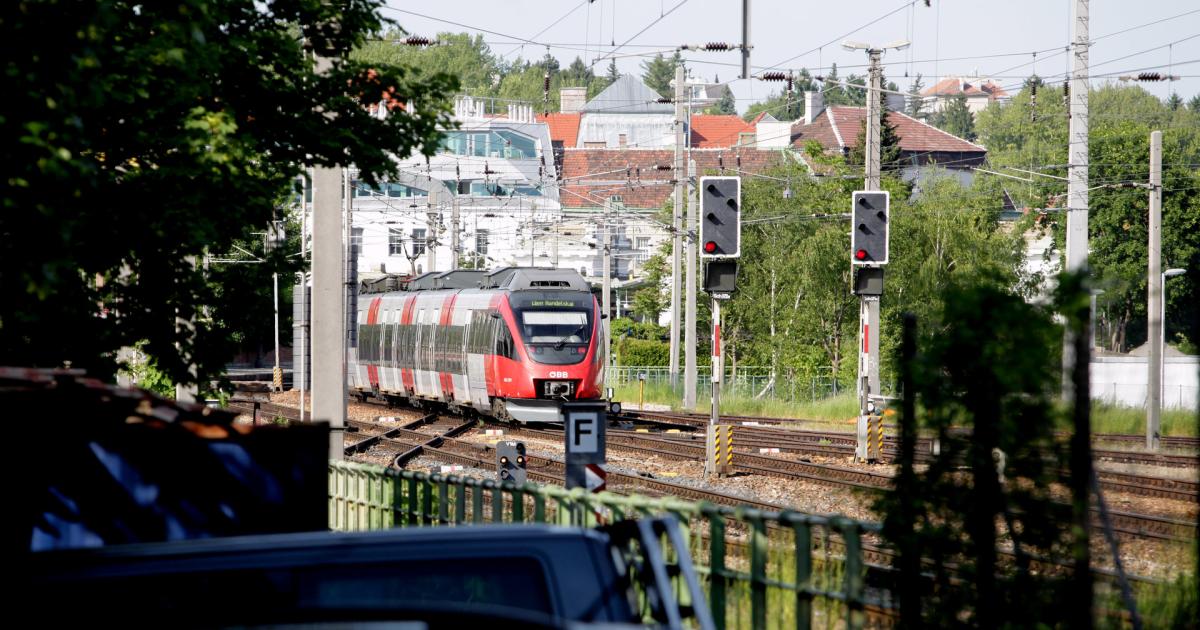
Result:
x=612 y=74
x=462 y=55
x=1174 y=102
x=649 y=301
x=164 y=132
x=1023 y=136
x=1194 y=104
x=916 y=104
x=957 y=119
x=889 y=141
x=780 y=105
x=659 y=72
x=727 y=104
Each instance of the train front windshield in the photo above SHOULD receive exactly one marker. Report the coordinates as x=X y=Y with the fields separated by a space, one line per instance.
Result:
x=555 y=330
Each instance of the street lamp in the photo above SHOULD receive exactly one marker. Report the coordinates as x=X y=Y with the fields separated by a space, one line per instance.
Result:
x=1162 y=327
x=899 y=44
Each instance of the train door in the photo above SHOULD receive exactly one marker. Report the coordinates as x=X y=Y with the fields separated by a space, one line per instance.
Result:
x=477 y=323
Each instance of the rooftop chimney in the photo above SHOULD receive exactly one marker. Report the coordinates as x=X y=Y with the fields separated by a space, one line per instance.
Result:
x=814 y=104
x=573 y=99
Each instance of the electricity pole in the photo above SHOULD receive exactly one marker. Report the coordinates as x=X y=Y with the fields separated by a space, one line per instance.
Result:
x=868 y=363
x=1077 y=177
x=689 y=337
x=677 y=225
x=430 y=239
x=1154 y=296
x=455 y=245
x=328 y=325
x=606 y=258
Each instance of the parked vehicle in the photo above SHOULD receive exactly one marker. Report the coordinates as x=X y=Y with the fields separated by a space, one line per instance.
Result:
x=506 y=575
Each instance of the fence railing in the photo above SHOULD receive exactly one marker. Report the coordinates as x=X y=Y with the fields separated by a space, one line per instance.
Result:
x=745 y=381
x=760 y=569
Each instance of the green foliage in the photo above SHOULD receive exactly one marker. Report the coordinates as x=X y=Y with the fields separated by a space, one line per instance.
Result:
x=145 y=374
x=1173 y=604
x=1033 y=137
x=1194 y=104
x=651 y=300
x=659 y=72
x=152 y=134
x=1174 y=102
x=727 y=104
x=956 y=119
x=915 y=105
x=460 y=55
x=779 y=105
x=998 y=384
x=889 y=142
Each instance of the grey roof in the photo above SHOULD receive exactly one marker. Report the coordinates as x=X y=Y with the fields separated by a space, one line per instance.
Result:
x=628 y=95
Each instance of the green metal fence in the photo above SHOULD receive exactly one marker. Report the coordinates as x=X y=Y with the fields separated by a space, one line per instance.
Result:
x=761 y=569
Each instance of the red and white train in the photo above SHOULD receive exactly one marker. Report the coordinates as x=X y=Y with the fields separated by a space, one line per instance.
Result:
x=510 y=344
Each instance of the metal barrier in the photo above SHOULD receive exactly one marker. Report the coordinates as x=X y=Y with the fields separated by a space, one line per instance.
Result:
x=745 y=382
x=761 y=569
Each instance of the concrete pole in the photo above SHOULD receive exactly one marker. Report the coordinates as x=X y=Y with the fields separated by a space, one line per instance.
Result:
x=328 y=296
x=455 y=244
x=1154 y=296
x=689 y=334
x=867 y=382
x=873 y=121
x=677 y=224
x=328 y=293
x=278 y=373
x=1077 y=175
x=188 y=393
x=606 y=244
x=430 y=239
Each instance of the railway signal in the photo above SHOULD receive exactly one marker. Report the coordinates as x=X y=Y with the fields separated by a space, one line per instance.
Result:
x=510 y=462
x=869 y=233
x=721 y=217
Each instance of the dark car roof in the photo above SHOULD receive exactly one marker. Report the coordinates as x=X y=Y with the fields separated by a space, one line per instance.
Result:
x=569 y=572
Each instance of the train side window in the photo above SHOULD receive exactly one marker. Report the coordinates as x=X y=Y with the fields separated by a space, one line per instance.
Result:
x=387 y=344
x=504 y=339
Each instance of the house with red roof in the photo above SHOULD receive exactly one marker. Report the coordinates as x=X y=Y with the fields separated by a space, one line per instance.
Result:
x=922 y=146
x=979 y=93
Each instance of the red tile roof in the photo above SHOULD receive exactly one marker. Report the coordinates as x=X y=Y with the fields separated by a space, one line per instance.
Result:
x=717 y=131
x=954 y=86
x=591 y=176
x=757 y=119
x=837 y=129
x=563 y=127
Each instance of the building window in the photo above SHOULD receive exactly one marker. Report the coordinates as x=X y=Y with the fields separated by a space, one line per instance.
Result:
x=395 y=242
x=481 y=242
x=642 y=245
x=622 y=139
x=418 y=241
x=356 y=239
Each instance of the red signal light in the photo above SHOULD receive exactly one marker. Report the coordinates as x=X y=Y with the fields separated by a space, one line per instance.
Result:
x=710 y=247
x=860 y=254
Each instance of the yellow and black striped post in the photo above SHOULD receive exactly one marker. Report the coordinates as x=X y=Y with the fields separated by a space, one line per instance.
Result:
x=728 y=469
x=277 y=379
x=879 y=438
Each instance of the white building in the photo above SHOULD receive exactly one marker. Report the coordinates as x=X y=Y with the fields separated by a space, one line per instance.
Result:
x=492 y=181
x=979 y=92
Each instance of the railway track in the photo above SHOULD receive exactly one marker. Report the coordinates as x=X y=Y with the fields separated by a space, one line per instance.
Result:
x=408 y=443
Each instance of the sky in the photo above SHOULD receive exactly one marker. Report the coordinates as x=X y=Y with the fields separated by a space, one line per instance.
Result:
x=996 y=39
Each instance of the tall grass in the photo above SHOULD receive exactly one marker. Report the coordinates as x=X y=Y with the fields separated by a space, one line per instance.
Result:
x=842 y=408
x=1114 y=419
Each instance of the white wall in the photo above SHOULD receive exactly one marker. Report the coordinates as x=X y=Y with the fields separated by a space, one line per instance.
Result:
x=1122 y=381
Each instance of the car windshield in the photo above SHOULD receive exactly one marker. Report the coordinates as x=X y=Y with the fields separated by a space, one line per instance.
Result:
x=556 y=327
